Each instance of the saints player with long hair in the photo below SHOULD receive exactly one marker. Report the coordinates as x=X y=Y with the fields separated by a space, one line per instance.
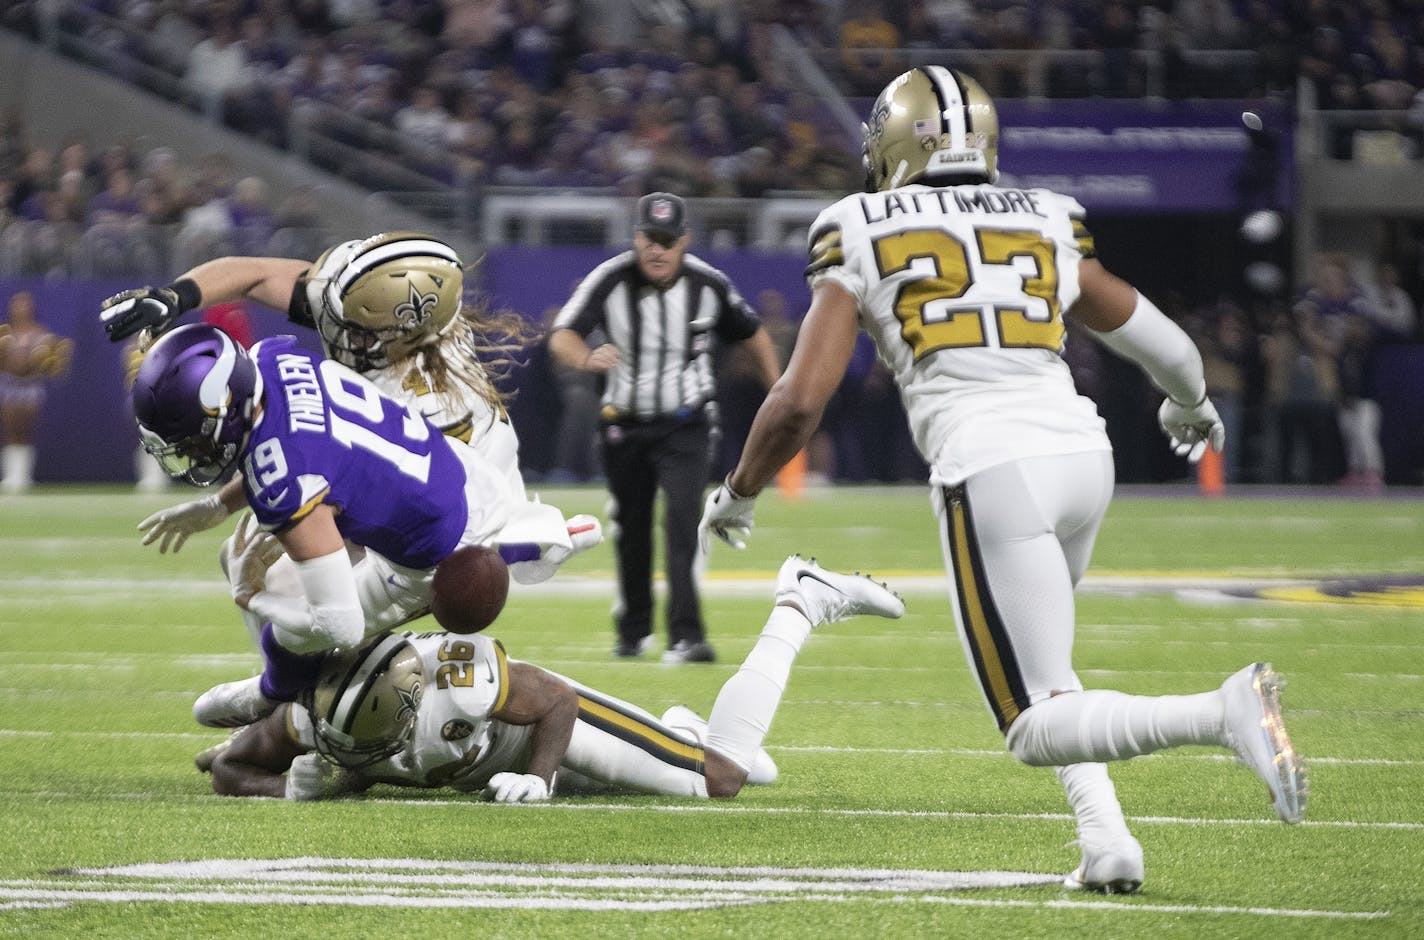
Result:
x=393 y=308
x=964 y=284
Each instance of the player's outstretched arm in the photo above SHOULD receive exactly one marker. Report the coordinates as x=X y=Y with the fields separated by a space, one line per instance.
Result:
x=268 y=281
x=173 y=525
x=539 y=698
x=789 y=416
x=1131 y=325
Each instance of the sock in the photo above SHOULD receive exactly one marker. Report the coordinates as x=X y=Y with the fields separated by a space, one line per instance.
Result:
x=742 y=714
x=19 y=463
x=1102 y=725
x=1093 y=799
x=286 y=673
x=519 y=551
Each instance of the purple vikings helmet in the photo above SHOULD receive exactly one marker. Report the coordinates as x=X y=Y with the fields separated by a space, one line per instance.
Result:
x=193 y=399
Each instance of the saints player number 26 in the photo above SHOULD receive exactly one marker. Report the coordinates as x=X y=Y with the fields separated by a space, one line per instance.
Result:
x=931 y=319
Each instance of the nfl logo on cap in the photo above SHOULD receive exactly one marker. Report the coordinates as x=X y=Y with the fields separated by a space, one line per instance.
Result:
x=662 y=214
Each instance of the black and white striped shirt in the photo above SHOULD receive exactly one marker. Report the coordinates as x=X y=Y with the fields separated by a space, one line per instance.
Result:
x=665 y=335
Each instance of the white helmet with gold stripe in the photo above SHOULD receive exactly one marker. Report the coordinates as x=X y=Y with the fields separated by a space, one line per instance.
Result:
x=931 y=124
x=378 y=299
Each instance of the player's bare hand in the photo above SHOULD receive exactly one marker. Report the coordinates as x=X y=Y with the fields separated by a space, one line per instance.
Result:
x=602 y=358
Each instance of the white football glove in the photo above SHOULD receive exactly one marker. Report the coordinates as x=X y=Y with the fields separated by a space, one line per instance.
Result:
x=727 y=516
x=517 y=788
x=174 y=524
x=1192 y=427
x=313 y=777
x=246 y=556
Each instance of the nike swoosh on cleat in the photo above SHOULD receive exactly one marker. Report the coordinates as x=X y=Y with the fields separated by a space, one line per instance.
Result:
x=813 y=577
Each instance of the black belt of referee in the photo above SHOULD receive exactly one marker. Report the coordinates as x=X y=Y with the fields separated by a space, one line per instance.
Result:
x=685 y=415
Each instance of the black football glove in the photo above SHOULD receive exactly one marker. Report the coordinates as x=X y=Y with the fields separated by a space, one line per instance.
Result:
x=150 y=308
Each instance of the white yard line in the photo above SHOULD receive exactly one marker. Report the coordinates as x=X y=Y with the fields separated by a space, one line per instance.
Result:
x=398 y=883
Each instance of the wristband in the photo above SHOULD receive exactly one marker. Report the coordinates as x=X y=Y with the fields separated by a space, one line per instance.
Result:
x=727 y=482
x=190 y=295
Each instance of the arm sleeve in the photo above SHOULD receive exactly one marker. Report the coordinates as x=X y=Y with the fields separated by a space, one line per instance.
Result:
x=1162 y=349
x=328 y=615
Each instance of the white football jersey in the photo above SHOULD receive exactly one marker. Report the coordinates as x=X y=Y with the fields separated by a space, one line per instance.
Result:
x=460 y=412
x=963 y=289
x=454 y=742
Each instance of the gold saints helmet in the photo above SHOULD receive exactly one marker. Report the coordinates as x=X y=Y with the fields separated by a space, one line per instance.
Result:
x=365 y=701
x=375 y=301
x=931 y=123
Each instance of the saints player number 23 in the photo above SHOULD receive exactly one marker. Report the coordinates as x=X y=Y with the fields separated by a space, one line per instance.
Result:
x=931 y=320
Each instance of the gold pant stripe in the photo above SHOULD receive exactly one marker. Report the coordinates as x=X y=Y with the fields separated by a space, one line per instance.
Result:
x=637 y=730
x=503 y=661
x=993 y=654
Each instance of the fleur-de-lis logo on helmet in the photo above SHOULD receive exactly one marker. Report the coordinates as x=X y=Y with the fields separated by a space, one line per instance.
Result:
x=416 y=309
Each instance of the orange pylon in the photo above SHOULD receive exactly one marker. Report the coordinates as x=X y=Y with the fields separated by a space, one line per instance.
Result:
x=792 y=478
x=1211 y=474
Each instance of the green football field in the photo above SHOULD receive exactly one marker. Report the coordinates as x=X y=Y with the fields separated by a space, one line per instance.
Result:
x=897 y=814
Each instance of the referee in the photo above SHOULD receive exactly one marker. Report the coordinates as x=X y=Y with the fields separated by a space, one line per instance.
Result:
x=661 y=311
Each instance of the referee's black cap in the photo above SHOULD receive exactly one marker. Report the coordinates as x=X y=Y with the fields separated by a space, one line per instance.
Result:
x=662 y=216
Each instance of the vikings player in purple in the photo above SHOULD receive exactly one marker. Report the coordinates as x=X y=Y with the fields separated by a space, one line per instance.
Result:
x=326 y=459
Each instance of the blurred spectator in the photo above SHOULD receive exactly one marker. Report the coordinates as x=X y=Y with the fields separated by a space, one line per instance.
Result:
x=118 y=202
x=30 y=355
x=216 y=65
x=1359 y=412
x=1223 y=335
x=867 y=41
x=1302 y=390
x=424 y=124
x=1333 y=296
x=251 y=219
x=1394 y=312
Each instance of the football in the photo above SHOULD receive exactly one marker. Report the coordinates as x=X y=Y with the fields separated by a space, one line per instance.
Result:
x=469 y=589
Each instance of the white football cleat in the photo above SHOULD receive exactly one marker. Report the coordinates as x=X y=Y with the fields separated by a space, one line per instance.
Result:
x=1111 y=867
x=233 y=704
x=1255 y=731
x=682 y=718
x=827 y=597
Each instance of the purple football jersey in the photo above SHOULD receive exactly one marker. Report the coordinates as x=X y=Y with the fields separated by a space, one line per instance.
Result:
x=327 y=435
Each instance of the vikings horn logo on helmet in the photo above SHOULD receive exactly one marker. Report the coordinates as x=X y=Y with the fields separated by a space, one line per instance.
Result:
x=193 y=400
x=931 y=124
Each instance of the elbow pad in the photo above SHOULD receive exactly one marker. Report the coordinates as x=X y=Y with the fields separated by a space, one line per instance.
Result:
x=331 y=615
x=1162 y=349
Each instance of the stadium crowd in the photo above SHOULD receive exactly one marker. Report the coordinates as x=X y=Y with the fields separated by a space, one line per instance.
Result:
x=555 y=95
x=401 y=94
